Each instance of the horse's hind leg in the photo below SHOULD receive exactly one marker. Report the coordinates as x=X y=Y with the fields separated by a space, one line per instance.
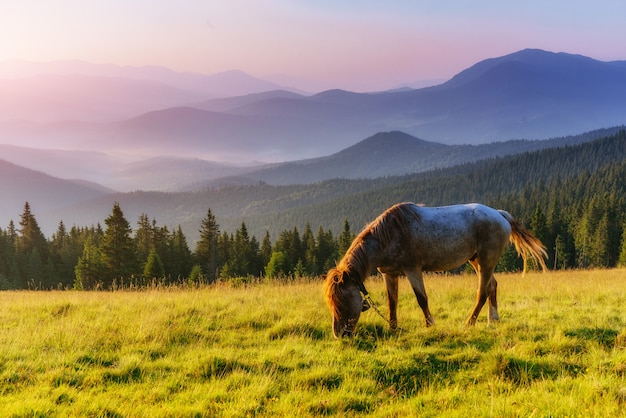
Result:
x=417 y=283
x=487 y=288
x=493 y=300
x=392 y=297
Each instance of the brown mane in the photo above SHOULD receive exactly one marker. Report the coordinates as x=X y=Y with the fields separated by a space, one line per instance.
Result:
x=355 y=264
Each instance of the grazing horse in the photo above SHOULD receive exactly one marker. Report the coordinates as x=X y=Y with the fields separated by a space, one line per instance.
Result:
x=408 y=239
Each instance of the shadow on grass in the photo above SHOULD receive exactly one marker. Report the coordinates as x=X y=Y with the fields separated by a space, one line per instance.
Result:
x=523 y=372
x=298 y=330
x=409 y=376
x=218 y=367
x=349 y=406
x=367 y=336
x=605 y=337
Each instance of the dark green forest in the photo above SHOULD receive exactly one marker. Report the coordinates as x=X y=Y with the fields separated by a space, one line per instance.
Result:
x=573 y=198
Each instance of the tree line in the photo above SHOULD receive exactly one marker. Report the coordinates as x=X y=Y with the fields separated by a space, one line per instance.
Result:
x=572 y=198
x=117 y=255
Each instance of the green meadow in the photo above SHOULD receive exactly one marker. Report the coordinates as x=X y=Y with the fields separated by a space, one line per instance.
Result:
x=266 y=349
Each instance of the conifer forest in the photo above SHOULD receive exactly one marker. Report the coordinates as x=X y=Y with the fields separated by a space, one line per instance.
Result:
x=572 y=198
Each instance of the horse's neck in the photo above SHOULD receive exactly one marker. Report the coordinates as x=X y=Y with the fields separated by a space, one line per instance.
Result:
x=360 y=259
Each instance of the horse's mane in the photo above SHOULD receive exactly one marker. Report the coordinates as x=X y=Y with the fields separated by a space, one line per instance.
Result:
x=385 y=229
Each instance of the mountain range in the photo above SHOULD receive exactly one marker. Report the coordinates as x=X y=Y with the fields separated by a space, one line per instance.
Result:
x=249 y=191
x=530 y=94
x=107 y=133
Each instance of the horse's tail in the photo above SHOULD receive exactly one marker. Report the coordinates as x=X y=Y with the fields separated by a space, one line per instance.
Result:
x=526 y=244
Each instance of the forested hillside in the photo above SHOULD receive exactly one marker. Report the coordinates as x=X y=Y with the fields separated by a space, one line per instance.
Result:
x=574 y=185
x=395 y=154
x=573 y=198
x=484 y=181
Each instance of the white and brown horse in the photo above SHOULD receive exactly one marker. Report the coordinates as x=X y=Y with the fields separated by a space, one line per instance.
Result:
x=408 y=239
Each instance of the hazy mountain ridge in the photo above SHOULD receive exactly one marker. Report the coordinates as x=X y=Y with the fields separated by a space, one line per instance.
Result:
x=393 y=154
x=275 y=208
x=54 y=98
x=43 y=192
x=499 y=94
x=530 y=94
x=267 y=207
x=383 y=154
x=222 y=84
x=121 y=172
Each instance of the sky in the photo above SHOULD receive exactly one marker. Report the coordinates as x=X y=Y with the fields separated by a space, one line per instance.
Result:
x=362 y=45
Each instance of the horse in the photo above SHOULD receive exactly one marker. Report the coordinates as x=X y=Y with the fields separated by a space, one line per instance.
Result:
x=408 y=239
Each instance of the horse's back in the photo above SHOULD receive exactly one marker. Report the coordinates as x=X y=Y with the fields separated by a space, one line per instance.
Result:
x=462 y=217
x=466 y=224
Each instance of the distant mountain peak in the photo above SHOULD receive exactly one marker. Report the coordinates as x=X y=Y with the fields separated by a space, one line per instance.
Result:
x=538 y=59
x=388 y=142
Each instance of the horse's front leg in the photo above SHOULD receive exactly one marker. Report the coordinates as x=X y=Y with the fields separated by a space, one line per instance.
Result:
x=392 y=298
x=417 y=283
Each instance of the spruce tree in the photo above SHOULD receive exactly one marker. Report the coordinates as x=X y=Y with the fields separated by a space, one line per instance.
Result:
x=118 y=248
x=345 y=239
x=180 y=260
x=206 y=253
x=326 y=250
x=144 y=241
x=32 y=250
x=266 y=249
x=90 y=268
x=622 y=254
x=310 y=252
x=153 y=268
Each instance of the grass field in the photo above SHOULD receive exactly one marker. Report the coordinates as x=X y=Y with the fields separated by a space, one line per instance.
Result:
x=267 y=350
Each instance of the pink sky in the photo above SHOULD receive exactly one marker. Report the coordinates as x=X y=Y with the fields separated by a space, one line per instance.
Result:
x=315 y=45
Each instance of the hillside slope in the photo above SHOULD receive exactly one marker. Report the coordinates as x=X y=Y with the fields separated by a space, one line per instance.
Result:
x=393 y=154
x=46 y=194
x=276 y=208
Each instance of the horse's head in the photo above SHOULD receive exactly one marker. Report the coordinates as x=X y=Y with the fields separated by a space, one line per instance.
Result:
x=344 y=300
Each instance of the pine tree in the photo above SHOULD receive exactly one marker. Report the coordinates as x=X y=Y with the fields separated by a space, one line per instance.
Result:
x=277 y=266
x=290 y=244
x=241 y=255
x=61 y=260
x=90 y=267
x=225 y=243
x=8 y=258
x=345 y=239
x=539 y=227
x=153 y=268
x=622 y=254
x=180 y=260
x=326 y=250
x=13 y=267
x=266 y=249
x=144 y=238
x=118 y=248
x=30 y=234
x=310 y=264
x=31 y=239
x=206 y=249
